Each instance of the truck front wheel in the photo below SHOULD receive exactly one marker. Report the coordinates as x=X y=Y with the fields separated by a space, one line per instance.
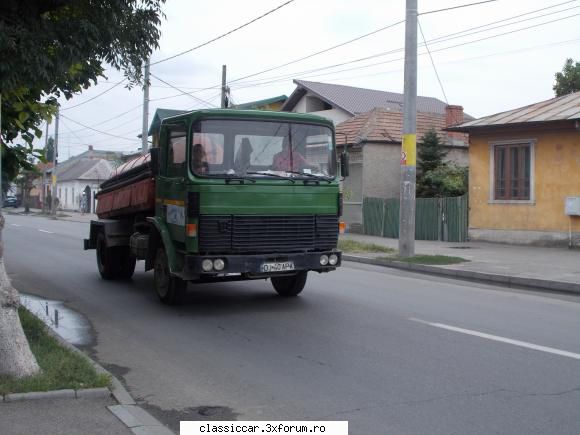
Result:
x=289 y=286
x=170 y=289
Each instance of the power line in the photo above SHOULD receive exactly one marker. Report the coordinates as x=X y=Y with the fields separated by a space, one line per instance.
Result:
x=124 y=124
x=319 y=52
x=432 y=61
x=208 y=104
x=456 y=7
x=95 y=97
x=390 y=52
x=224 y=34
x=98 y=131
x=438 y=40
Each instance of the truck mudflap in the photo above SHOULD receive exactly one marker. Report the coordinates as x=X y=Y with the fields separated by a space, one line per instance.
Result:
x=260 y=265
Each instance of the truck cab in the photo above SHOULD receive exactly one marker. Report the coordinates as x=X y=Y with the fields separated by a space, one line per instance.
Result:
x=232 y=195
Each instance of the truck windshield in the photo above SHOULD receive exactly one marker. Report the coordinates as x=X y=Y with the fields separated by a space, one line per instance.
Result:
x=262 y=149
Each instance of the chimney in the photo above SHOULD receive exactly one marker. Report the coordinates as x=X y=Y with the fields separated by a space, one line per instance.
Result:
x=90 y=151
x=453 y=115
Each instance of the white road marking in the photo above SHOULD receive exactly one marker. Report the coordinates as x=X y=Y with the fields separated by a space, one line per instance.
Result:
x=16 y=225
x=501 y=339
x=44 y=231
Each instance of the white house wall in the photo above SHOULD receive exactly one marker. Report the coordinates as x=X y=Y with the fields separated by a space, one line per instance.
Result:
x=66 y=190
x=335 y=115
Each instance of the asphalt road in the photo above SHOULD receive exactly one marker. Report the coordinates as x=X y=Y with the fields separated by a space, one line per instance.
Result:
x=389 y=351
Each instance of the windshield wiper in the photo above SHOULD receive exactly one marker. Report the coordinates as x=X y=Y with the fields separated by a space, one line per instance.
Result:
x=270 y=174
x=318 y=177
x=229 y=177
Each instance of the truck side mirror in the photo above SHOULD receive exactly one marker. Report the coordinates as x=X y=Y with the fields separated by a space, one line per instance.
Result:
x=154 y=163
x=344 y=164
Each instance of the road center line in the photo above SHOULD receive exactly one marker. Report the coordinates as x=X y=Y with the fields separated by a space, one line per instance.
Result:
x=44 y=231
x=501 y=339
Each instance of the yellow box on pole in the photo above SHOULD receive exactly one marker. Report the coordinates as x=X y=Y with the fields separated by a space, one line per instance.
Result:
x=409 y=150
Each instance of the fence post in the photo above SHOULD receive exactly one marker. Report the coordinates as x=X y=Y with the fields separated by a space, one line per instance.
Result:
x=383 y=218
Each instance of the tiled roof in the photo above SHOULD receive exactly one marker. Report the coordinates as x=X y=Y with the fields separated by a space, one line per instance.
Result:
x=380 y=125
x=562 y=108
x=85 y=169
x=360 y=100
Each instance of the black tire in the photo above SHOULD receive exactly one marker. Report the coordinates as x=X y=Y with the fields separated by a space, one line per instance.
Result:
x=114 y=262
x=169 y=289
x=106 y=259
x=126 y=263
x=289 y=286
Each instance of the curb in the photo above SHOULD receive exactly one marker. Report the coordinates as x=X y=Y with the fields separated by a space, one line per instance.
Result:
x=489 y=278
x=135 y=418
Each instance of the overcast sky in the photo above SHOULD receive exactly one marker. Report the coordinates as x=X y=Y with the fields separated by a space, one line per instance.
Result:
x=488 y=69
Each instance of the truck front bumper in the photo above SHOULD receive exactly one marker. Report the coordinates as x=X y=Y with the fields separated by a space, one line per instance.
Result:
x=252 y=266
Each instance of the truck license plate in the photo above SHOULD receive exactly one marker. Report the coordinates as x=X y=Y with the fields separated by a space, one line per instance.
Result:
x=277 y=267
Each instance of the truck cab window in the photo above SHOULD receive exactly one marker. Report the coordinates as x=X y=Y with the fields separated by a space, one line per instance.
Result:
x=176 y=149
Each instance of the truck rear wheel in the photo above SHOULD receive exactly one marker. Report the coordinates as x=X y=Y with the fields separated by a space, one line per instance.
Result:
x=289 y=286
x=114 y=262
x=127 y=262
x=170 y=289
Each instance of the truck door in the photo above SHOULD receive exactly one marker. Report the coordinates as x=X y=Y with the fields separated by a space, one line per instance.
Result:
x=172 y=181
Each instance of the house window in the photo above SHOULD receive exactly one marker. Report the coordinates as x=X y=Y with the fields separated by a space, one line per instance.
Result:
x=512 y=171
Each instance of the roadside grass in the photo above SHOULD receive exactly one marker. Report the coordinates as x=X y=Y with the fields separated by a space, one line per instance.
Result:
x=61 y=367
x=354 y=246
x=430 y=260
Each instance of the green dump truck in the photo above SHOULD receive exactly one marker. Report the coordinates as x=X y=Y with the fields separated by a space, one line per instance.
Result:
x=225 y=195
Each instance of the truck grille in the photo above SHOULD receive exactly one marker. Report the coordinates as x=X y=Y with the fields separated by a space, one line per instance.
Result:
x=266 y=234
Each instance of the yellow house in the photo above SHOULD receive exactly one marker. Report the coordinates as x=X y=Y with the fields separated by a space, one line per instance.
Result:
x=524 y=174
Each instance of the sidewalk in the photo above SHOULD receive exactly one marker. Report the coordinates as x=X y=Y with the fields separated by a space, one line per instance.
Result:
x=514 y=265
x=72 y=216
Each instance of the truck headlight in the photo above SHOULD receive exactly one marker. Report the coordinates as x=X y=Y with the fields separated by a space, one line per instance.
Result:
x=323 y=260
x=333 y=259
x=207 y=265
x=219 y=264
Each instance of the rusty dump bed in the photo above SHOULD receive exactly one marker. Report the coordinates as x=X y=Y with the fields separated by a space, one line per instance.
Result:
x=130 y=190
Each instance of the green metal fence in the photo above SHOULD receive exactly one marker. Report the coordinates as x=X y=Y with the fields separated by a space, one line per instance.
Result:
x=435 y=218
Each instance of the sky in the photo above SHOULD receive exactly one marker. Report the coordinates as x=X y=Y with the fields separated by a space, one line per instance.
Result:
x=487 y=58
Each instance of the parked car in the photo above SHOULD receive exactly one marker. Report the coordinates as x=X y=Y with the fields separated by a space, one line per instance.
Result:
x=10 y=201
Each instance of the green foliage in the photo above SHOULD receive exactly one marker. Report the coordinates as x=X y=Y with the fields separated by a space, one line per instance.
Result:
x=61 y=367
x=568 y=81
x=354 y=246
x=49 y=149
x=430 y=152
x=432 y=260
x=435 y=178
x=57 y=48
x=443 y=181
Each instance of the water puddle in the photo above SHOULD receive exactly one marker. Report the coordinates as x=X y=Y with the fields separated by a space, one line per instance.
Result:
x=69 y=324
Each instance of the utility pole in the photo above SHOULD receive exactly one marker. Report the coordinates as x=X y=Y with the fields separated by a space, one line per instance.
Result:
x=43 y=197
x=55 y=163
x=1 y=152
x=144 y=135
x=224 y=103
x=409 y=142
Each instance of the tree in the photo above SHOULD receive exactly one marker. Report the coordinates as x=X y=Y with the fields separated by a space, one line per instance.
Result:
x=435 y=177
x=26 y=182
x=445 y=180
x=430 y=152
x=49 y=150
x=53 y=48
x=49 y=49
x=568 y=80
